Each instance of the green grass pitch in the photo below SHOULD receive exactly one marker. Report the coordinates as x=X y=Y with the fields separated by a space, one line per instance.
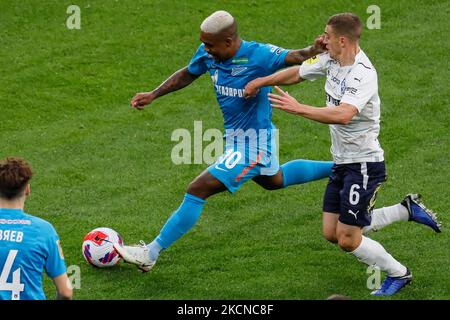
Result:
x=64 y=106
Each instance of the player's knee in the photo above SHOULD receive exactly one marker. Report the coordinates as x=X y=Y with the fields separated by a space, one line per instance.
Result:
x=271 y=186
x=196 y=188
x=271 y=183
x=346 y=242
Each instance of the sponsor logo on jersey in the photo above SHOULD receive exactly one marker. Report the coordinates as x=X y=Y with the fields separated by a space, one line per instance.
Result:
x=242 y=60
x=313 y=60
x=229 y=92
x=10 y=221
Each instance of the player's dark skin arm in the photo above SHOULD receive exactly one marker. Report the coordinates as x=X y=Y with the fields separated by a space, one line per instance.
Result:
x=287 y=76
x=205 y=185
x=176 y=81
x=299 y=56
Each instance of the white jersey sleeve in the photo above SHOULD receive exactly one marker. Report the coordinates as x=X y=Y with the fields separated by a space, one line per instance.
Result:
x=361 y=85
x=314 y=67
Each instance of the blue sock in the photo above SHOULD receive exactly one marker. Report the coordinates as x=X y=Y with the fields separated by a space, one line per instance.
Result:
x=302 y=171
x=178 y=224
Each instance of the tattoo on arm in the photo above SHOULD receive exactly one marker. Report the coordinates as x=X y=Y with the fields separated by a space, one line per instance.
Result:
x=177 y=81
x=300 y=55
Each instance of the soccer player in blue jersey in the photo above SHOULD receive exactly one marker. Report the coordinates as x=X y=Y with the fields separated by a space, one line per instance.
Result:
x=28 y=244
x=250 y=148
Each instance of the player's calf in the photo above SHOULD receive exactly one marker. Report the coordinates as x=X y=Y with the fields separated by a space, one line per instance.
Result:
x=330 y=236
x=329 y=225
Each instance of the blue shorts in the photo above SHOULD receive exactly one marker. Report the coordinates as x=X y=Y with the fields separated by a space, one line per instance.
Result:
x=235 y=167
x=352 y=190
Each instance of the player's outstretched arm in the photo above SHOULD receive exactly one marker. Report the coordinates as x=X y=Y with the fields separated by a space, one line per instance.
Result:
x=284 y=77
x=342 y=114
x=64 y=289
x=299 y=56
x=176 y=81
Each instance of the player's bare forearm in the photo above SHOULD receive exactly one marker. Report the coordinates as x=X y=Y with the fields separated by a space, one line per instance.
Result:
x=327 y=115
x=283 y=77
x=64 y=289
x=299 y=56
x=341 y=114
x=176 y=81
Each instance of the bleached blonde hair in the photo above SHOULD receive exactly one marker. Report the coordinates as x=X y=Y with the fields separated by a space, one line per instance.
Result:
x=217 y=22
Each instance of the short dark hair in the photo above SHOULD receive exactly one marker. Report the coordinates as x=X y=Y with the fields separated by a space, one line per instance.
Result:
x=15 y=173
x=346 y=24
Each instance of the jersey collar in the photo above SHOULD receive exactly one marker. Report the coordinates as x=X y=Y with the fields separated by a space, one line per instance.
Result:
x=358 y=57
x=10 y=211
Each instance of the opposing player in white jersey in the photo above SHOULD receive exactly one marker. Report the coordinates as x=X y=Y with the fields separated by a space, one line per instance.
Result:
x=353 y=113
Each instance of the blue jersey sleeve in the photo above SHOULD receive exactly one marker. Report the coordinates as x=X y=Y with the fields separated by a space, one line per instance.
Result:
x=197 y=66
x=272 y=57
x=54 y=264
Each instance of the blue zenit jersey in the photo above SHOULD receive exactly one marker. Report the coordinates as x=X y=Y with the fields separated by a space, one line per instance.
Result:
x=229 y=78
x=28 y=246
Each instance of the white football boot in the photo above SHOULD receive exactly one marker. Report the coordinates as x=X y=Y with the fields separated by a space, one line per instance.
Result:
x=137 y=254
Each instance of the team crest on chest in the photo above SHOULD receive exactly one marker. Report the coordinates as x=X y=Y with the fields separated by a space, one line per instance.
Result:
x=237 y=70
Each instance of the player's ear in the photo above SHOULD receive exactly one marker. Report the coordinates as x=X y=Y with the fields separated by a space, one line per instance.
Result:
x=27 y=190
x=229 y=41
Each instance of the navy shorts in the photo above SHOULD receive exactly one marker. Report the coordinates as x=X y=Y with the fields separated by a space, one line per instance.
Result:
x=352 y=190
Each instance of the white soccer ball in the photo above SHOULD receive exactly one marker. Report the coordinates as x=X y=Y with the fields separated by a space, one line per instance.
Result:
x=98 y=247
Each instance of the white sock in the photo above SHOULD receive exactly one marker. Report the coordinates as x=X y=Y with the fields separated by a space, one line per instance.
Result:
x=373 y=254
x=385 y=216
